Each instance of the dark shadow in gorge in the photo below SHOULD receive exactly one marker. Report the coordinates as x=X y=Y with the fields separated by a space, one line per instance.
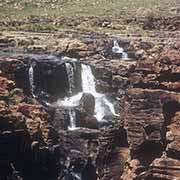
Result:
x=148 y=151
x=169 y=110
x=113 y=153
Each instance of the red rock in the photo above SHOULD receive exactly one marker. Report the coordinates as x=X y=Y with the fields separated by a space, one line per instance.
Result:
x=172 y=56
x=163 y=168
x=37 y=119
x=151 y=118
x=6 y=84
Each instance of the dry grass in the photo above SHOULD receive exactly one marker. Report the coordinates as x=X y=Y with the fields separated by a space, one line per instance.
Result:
x=25 y=8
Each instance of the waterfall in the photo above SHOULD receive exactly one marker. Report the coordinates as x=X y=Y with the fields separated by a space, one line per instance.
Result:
x=89 y=86
x=70 y=73
x=116 y=48
x=72 y=117
x=102 y=104
x=31 y=79
x=124 y=55
x=119 y=50
x=111 y=107
x=88 y=80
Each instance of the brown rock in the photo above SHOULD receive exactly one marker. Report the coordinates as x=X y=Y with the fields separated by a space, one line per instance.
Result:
x=73 y=48
x=144 y=118
x=130 y=170
x=17 y=95
x=151 y=118
x=6 y=84
x=10 y=65
x=87 y=103
x=37 y=48
x=171 y=55
x=163 y=168
x=37 y=122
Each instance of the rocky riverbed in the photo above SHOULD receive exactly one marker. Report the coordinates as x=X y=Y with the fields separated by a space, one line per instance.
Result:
x=140 y=141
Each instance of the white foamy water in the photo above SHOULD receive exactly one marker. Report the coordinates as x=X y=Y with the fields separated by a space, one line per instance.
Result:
x=72 y=117
x=70 y=73
x=116 y=48
x=70 y=101
x=31 y=79
x=89 y=86
x=119 y=50
x=125 y=55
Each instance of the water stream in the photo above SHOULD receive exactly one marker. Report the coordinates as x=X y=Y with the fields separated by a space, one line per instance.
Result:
x=31 y=79
x=116 y=49
x=102 y=104
x=70 y=72
x=72 y=117
x=89 y=86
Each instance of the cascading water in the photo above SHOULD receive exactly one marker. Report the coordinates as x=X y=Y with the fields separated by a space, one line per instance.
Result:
x=72 y=117
x=125 y=55
x=119 y=50
x=102 y=105
x=116 y=48
x=89 y=86
x=70 y=72
x=31 y=79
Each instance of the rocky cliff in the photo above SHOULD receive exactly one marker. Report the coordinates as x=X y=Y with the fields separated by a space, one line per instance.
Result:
x=151 y=112
x=141 y=144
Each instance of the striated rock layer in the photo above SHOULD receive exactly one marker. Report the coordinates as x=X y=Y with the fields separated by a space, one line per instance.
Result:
x=25 y=131
x=151 y=118
x=142 y=144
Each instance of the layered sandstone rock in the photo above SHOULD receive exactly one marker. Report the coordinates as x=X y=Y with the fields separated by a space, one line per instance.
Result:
x=151 y=118
x=145 y=146
x=25 y=131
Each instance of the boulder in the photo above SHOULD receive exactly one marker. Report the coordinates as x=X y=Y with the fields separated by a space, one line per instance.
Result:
x=73 y=48
x=37 y=48
x=87 y=104
x=85 y=112
x=88 y=122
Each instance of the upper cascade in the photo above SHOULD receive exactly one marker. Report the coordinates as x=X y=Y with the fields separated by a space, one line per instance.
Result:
x=116 y=49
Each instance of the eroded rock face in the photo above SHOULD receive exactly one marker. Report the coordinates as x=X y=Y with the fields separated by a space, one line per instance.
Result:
x=151 y=118
x=25 y=132
x=145 y=143
x=144 y=117
x=113 y=153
